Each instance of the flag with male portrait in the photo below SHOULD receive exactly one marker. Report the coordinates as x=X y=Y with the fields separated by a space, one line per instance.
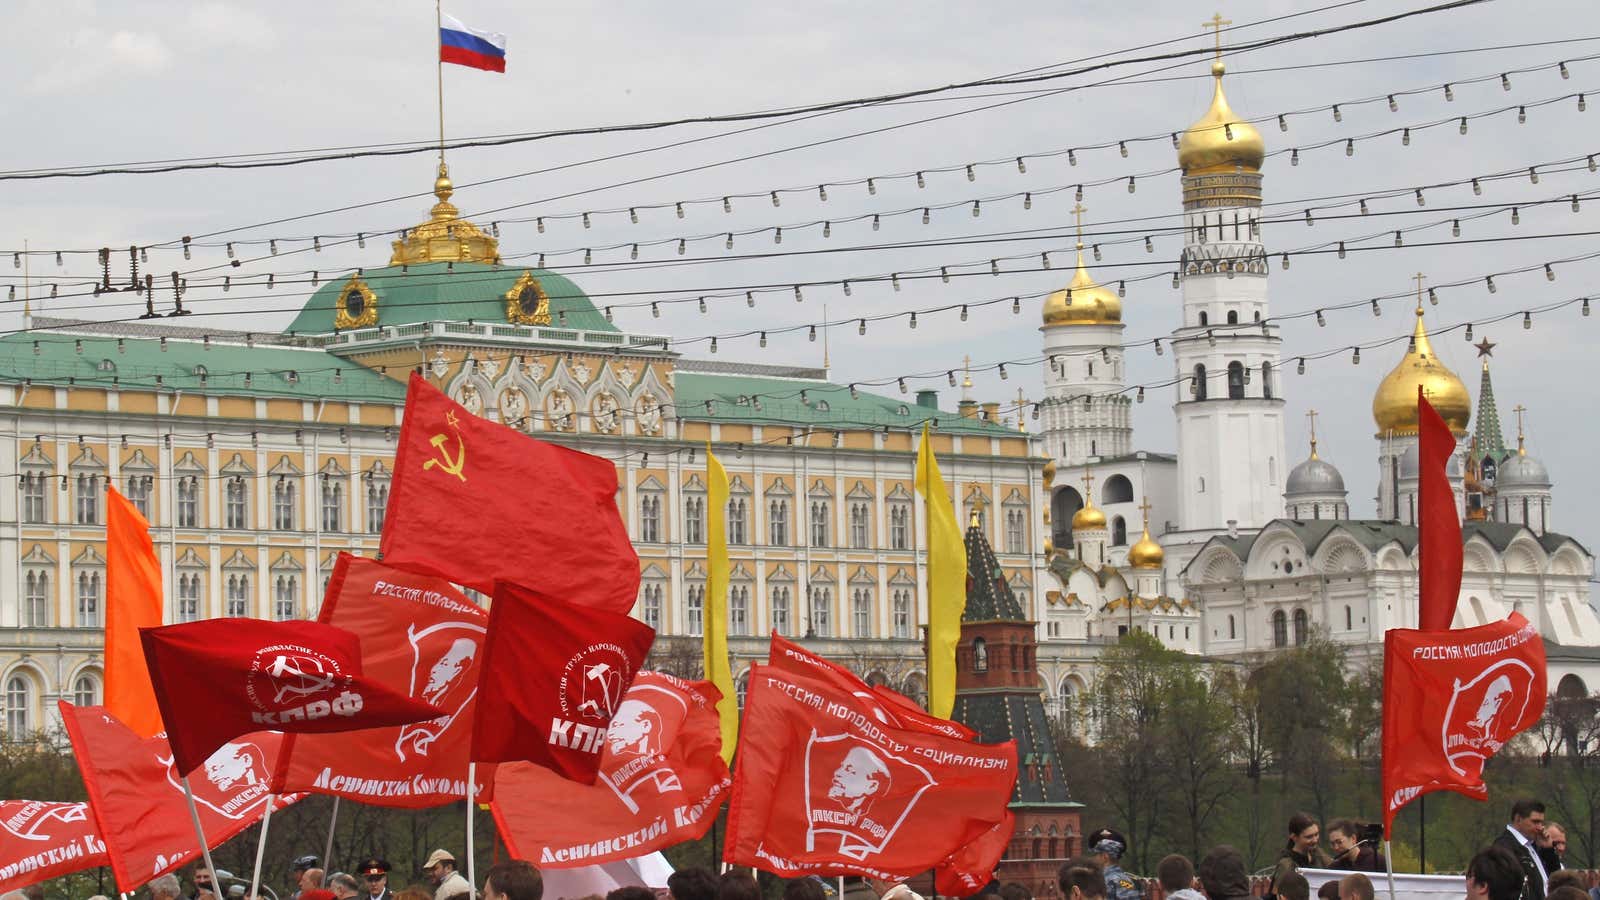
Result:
x=41 y=839
x=421 y=637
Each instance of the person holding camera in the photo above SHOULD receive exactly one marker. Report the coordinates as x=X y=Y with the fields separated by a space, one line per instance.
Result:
x=1355 y=846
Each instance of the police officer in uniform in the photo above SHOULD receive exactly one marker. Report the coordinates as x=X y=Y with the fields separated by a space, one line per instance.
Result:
x=376 y=872
x=1108 y=846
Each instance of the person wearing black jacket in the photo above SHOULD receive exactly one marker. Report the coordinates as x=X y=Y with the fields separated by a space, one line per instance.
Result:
x=1350 y=852
x=1520 y=839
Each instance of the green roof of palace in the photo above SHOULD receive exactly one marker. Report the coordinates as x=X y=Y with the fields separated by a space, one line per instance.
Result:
x=454 y=292
x=133 y=363
x=825 y=404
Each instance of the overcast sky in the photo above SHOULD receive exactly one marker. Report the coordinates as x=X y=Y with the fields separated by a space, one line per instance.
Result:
x=101 y=83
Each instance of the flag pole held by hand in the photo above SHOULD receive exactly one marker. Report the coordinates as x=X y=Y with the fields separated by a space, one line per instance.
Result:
x=200 y=835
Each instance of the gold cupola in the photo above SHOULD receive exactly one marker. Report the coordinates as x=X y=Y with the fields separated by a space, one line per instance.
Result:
x=1394 y=407
x=445 y=237
x=1145 y=552
x=1220 y=141
x=1088 y=516
x=1082 y=301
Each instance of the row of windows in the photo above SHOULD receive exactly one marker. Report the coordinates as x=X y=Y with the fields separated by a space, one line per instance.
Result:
x=238 y=598
x=1238 y=377
x=89 y=489
x=816 y=617
x=820 y=521
x=20 y=694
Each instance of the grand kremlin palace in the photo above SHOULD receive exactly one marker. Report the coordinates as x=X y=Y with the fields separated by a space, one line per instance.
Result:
x=258 y=457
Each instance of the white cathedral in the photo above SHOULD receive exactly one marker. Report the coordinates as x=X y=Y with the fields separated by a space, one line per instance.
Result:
x=1234 y=552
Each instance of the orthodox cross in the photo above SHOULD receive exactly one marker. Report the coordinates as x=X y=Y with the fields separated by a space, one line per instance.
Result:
x=1312 y=415
x=1216 y=23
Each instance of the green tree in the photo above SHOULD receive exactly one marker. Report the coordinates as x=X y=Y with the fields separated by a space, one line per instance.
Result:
x=1128 y=701
x=1201 y=739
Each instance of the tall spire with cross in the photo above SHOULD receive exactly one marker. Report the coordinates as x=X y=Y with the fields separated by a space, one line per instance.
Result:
x=1488 y=437
x=1522 y=448
x=1311 y=415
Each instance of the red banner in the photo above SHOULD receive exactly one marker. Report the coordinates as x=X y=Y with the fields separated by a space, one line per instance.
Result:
x=466 y=490
x=1439 y=550
x=661 y=781
x=1451 y=700
x=966 y=871
x=418 y=635
x=824 y=788
x=42 y=840
x=553 y=674
x=217 y=679
x=887 y=706
x=137 y=797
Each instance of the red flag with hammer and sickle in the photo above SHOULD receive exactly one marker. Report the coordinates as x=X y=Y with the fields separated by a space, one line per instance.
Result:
x=475 y=502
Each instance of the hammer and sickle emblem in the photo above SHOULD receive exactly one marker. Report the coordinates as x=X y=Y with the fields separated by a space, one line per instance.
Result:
x=452 y=465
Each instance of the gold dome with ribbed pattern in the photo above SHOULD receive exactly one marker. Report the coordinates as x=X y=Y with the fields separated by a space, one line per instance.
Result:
x=1082 y=301
x=1220 y=141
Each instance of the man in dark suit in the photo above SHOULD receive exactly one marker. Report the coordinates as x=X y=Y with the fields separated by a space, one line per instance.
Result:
x=375 y=870
x=1521 y=839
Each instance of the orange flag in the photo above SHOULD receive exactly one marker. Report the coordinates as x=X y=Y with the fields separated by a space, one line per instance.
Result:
x=133 y=601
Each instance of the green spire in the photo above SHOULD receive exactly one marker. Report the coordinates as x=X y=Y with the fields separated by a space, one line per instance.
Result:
x=1490 y=440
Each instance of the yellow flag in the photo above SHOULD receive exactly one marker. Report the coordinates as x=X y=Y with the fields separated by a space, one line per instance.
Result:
x=719 y=670
x=947 y=581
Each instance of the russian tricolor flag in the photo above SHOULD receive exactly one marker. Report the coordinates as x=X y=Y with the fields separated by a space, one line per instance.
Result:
x=471 y=47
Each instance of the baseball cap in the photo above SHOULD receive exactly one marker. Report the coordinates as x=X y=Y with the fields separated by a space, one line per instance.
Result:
x=436 y=857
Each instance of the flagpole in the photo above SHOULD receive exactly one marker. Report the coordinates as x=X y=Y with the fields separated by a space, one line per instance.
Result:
x=261 y=849
x=333 y=821
x=472 y=782
x=438 y=64
x=1388 y=862
x=200 y=835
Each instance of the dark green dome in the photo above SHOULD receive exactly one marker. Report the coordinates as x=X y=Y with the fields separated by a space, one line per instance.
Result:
x=440 y=292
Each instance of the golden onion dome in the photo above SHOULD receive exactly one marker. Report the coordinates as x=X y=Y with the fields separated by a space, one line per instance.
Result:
x=1049 y=473
x=1220 y=141
x=1146 y=553
x=1088 y=517
x=1083 y=302
x=445 y=237
x=1394 y=406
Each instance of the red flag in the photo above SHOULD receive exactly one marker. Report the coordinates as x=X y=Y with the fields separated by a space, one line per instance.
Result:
x=661 y=781
x=421 y=636
x=887 y=706
x=966 y=871
x=476 y=502
x=824 y=788
x=553 y=675
x=1438 y=526
x=42 y=840
x=219 y=678
x=137 y=798
x=1451 y=700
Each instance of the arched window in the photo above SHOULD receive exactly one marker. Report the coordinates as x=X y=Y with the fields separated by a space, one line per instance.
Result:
x=739 y=610
x=1266 y=380
x=1202 y=488
x=650 y=517
x=1117 y=489
x=861 y=612
x=238 y=595
x=736 y=521
x=1302 y=628
x=858 y=526
x=19 y=707
x=1233 y=317
x=1232 y=632
x=821 y=612
x=188 y=597
x=902 y=614
x=694 y=520
x=819 y=523
x=1280 y=629
x=235 y=510
x=650 y=597
x=36 y=600
x=377 y=504
x=741 y=686
x=1198 y=388
x=1204 y=319
x=694 y=608
x=283 y=505
x=286 y=598
x=1119 y=531
x=1349 y=619
x=88 y=599
x=980 y=655
x=332 y=504
x=780 y=610
x=778 y=527
x=85 y=691
x=1236 y=380
x=1089 y=368
x=899 y=526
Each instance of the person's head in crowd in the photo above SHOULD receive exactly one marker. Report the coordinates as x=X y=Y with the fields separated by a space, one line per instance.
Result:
x=201 y=876
x=311 y=879
x=1294 y=886
x=1555 y=837
x=1223 y=874
x=1083 y=878
x=344 y=885
x=1355 y=886
x=1175 y=872
x=1567 y=892
x=166 y=888
x=1494 y=874
x=1014 y=890
x=375 y=871
x=515 y=879
x=692 y=883
x=1565 y=877
x=413 y=892
x=1304 y=834
x=1527 y=818
x=631 y=892
x=1108 y=845
x=800 y=889
x=1328 y=891
x=1344 y=839
x=738 y=884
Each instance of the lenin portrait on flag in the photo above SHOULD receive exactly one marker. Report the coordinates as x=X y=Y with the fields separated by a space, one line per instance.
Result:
x=859 y=792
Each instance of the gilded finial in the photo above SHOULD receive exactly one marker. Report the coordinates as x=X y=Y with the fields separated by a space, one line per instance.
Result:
x=442 y=187
x=1312 y=415
x=966 y=377
x=1522 y=449
x=1022 y=407
x=1078 y=209
x=1215 y=24
x=1419 y=278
